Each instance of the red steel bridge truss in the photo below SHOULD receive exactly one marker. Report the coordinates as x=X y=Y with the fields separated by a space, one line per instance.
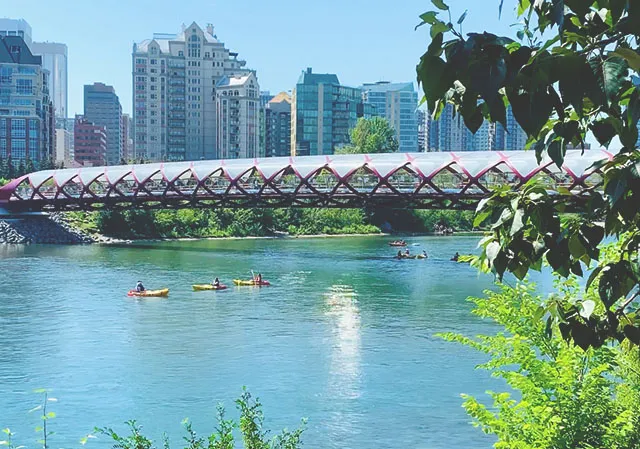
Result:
x=399 y=180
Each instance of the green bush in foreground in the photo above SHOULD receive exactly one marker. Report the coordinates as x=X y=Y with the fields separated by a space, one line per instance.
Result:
x=566 y=397
x=250 y=426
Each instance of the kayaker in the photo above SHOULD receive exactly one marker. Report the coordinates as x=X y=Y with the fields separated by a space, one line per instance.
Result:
x=424 y=253
x=139 y=287
x=399 y=254
x=407 y=252
x=216 y=283
x=455 y=258
x=259 y=279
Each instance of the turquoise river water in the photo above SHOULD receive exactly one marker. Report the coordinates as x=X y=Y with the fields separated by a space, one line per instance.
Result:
x=344 y=337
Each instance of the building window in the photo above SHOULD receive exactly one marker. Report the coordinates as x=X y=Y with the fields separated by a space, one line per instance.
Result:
x=18 y=128
x=154 y=61
x=181 y=53
x=207 y=55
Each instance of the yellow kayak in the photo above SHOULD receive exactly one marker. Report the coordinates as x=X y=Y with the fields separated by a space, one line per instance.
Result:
x=250 y=282
x=205 y=287
x=149 y=293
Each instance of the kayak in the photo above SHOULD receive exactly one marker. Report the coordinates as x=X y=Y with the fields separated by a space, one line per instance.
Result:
x=397 y=244
x=204 y=287
x=419 y=256
x=149 y=293
x=250 y=283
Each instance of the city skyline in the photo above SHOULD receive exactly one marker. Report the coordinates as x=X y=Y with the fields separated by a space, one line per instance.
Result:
x=391 y=54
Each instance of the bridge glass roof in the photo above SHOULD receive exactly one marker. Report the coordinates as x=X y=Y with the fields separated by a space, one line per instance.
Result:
x=368 y=177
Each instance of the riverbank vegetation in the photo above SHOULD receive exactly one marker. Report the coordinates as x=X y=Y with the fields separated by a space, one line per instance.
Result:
x=204 y=223
x=250 y=425
x=573 y=358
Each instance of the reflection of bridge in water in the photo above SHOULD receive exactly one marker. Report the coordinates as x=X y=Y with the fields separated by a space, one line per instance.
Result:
x=413 y=180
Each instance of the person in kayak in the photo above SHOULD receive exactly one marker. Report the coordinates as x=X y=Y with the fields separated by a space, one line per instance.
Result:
x=424 y=253
x=139 y=287
x=216 y=283
x=407 y=253
x=399 y=254
x=258 y=279
x=455 y=258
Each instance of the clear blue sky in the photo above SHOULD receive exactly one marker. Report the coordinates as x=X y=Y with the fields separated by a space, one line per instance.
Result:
x=361 y=41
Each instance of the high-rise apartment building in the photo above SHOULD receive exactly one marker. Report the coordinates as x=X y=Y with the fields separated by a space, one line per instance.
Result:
x=16 y=27
x=238 y=101
x=323 y=113
x=174 y=94
x=102 y=107
x=515 y=138
x=90 y=143
x=265 y=98
x=127 y=142
x=278 y=126
x=449 y=133
x=54 y=59
x=398 y=103
x=26 y=119
x=423 y=130
x=64 y=145
x=485 y=139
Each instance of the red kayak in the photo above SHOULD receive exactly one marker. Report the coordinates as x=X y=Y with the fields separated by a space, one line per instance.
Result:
x=402 y=244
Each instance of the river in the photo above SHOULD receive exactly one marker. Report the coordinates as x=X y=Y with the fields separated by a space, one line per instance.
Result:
x=344 y=337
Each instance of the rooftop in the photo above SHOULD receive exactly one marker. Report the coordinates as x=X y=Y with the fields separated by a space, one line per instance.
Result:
x=308 y=77
x=282 y=97
x=21 y=53
x=163 y=39
x=386 y=86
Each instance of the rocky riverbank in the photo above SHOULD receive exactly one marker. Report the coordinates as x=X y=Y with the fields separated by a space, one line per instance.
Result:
x=51 y=229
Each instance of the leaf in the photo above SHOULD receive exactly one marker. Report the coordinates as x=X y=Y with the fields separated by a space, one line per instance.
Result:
x=440 y=5
x=610 y=75
x=531 y=110
x=492 y=251
x=434 y=77
x=557 y=150
x=605 y=130
x=462 y=17
x=582 y=335
x=438 y=28
x=428 y=18
x=558 y=13
x=632 y=333
x=51 y=415
x=517 y=224
x=539 y=313
x=587 y=308
x=632 y=57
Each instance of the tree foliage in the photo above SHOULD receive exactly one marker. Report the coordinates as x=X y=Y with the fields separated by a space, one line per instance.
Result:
x=565 y=397
x=567 y=75
x=371 y=135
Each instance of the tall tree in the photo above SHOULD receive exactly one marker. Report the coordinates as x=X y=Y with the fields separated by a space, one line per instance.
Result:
x=374 y=135
x=11 y=169
x=29 y=166
x=566 y=75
